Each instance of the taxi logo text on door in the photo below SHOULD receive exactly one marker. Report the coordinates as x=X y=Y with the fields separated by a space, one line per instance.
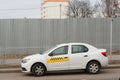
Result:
x=57 y=59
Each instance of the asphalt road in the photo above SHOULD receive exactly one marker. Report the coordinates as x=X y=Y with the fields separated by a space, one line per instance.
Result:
x=105 y=74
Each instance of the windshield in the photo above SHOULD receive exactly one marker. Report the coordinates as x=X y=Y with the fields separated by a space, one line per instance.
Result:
x=48 y=50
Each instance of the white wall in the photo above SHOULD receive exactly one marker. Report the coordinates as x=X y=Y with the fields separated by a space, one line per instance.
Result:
x=53 y=10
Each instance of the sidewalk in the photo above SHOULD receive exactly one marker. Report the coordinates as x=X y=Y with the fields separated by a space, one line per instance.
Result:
x=16 y=70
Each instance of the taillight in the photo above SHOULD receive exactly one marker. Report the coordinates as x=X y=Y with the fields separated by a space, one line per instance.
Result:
x=104 y=54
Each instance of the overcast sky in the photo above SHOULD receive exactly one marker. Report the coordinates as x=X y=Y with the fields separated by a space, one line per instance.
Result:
x=21 y=8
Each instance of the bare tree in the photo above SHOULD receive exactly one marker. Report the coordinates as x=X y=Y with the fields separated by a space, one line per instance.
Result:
x=111 y=8
x=116 y=9
x=102 y=8
x=98 y=9
x=80 y=8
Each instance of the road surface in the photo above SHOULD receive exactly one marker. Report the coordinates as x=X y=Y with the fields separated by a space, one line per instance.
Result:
x=105 y=74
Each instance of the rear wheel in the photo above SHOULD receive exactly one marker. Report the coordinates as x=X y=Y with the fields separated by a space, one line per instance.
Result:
x=38 y=70
x=93 y=67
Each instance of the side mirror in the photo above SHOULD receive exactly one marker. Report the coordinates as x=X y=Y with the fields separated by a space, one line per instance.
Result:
x=51 y=54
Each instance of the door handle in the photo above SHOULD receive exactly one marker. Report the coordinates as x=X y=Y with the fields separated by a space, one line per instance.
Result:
x=65 y=57
x=85 y=55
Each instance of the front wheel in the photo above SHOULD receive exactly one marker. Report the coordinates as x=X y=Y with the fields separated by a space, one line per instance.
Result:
x=38 y=70
x=93 y=67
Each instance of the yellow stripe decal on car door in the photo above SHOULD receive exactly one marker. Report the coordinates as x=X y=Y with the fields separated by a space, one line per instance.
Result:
x=58 y=59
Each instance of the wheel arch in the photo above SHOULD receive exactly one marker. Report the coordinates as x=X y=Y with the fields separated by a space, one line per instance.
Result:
x=94 y=61
x=38 y=63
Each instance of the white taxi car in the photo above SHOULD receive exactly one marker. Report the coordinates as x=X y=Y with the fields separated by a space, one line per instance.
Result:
x=67 y=56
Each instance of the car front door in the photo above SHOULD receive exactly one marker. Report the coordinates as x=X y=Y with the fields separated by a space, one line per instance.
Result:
x=79 y=56
x=58 y=59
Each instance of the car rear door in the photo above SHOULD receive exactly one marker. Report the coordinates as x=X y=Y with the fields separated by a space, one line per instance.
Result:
x=79 y=56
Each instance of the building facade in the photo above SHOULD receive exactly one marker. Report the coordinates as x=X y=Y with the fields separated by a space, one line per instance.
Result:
x=54 y=9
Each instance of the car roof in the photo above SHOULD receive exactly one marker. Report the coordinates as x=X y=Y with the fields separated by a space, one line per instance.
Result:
x=73 y=44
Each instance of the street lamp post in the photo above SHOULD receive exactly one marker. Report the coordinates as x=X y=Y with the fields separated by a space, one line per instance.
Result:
x=111 y=35
x=60 y=10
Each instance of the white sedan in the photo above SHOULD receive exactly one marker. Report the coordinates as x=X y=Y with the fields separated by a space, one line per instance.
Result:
x=69 y=56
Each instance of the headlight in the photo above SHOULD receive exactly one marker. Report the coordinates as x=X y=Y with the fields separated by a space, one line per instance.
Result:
x=25 y=60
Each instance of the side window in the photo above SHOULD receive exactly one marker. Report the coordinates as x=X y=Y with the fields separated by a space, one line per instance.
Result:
x=79 y=49
x=60 y=51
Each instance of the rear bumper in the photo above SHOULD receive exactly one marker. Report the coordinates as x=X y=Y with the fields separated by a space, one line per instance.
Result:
x=104 y=62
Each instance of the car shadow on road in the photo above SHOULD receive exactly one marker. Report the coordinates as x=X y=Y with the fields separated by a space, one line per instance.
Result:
x=63 y=73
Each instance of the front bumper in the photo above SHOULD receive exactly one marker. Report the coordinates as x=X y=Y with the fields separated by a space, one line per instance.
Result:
x=26 y=67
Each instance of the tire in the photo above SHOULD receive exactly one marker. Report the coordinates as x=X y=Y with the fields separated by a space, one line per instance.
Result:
x=38 y=70
x=93 y=67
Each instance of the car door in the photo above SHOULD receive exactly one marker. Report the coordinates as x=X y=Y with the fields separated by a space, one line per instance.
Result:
x=79 y=56
x=58 y=59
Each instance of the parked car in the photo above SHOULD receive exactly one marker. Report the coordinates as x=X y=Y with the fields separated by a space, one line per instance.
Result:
x=69 y=56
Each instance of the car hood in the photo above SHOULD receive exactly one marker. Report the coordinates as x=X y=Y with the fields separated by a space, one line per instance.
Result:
x=32 y=56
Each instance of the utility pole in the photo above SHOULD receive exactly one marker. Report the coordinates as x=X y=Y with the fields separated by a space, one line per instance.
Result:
x=111 y=40
x=60 y=10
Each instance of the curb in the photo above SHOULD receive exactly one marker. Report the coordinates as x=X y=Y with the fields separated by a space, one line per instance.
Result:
x=18 y=70
x=10 y=70
x=115 y=66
